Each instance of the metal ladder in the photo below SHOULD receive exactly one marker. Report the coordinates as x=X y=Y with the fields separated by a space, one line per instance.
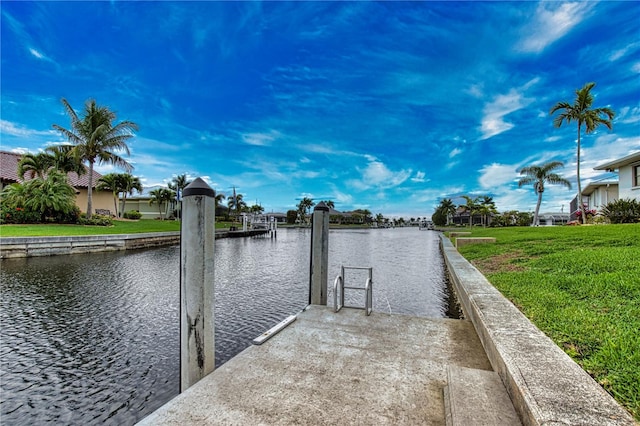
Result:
x=339 y=287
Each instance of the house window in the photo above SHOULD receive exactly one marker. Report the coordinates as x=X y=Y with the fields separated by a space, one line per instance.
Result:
x=636 y=175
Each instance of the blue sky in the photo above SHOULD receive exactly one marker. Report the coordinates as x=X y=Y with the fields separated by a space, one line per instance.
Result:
x=388 y=106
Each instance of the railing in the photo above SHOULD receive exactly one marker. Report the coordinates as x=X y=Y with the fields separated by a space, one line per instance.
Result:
x=339 y=287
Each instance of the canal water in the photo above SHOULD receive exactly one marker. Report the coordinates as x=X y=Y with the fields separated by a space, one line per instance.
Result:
x=94 y=339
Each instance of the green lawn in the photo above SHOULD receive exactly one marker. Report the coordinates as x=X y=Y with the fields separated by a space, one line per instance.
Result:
x=119 y=227
x=581 y=286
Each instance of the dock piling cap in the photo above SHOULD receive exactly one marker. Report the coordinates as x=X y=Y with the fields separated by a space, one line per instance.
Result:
x=321 y=206
x=198 y=187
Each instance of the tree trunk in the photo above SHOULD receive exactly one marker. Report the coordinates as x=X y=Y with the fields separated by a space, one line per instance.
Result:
x=580 y=203
x=536 y=220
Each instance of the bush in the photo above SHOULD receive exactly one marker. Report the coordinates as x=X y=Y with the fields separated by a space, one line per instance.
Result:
x=132 y=214
x=624 y=210
x=18 y=215
x=96 y=219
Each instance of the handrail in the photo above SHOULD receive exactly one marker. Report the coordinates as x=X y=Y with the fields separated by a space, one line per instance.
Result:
x=339 y=282
x=368 y=288
x=339 y=286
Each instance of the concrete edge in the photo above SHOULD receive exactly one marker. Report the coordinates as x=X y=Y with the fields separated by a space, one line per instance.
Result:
x=545 y=385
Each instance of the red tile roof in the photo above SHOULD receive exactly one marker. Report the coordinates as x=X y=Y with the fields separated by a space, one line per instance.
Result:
x=9 y=171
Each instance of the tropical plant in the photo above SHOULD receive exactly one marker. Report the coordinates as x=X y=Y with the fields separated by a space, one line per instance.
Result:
x=64 y=160
x=486 y=208
x=256 y=208
x=96 y=139
x=539 y=175
x=236 y=202
x=132 y=214
x=113 y=182
x=130 y=183
x=51 y=197
x=304 y=207
x=624 y=210
x=448 y=208
x=161 y=196
x=34 y=165
x=582 y=112
x=178 y=184
x=470 y=206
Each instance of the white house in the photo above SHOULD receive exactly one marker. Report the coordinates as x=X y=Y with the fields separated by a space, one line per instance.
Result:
x=628 y=175
x=597 y=194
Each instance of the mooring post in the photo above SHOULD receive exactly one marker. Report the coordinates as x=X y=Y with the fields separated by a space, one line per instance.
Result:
x=197 y=236
x=319 y=255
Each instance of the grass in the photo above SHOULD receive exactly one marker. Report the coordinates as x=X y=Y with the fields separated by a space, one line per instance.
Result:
x=119 y=227
x=579 y=285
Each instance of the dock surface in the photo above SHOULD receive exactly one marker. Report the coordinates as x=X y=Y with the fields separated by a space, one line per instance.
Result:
x=334 y=368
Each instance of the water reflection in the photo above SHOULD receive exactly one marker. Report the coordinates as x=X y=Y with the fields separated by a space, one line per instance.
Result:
x=90 y=339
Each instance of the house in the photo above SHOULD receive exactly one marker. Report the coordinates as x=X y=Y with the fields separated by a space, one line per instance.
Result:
x=628 y=175
x=597 y=194
x=102 y=200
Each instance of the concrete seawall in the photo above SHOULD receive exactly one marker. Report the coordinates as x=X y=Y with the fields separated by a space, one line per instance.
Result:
x=13 y=247
x=545 y=385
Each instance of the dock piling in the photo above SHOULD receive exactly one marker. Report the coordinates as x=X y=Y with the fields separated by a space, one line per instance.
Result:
x=197 y=235
x=319 y=255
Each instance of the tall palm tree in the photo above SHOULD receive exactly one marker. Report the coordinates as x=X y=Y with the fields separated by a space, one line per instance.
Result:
x=218 y=197
x=115 y=183
x=330 y=204
x=130 y=183
x=97 y=139
x=161 y=196
x=448 y=208
x=582 y=112
x=34 y=165
x=539 y=175
x=487 y=206
x=304 y=207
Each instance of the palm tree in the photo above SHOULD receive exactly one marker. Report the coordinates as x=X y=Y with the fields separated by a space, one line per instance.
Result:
x=538 y=175
x=218 y=197
x=63 y=159
x=304 y=207
x=96 y=139
x=115 y=183
x=35 y=165
x=178 y=184
x=470 y=206
x=130 y=183
x=487 y=206
x=161 y=196
x=330 y=204
x=582 y=112
x=236 y=203
x=51 y=195
x=448 y=208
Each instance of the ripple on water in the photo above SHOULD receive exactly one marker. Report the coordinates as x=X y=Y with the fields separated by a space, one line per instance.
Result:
x=94 y=339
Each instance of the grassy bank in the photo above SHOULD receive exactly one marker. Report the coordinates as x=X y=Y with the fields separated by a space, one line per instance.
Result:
x=119 y=227
x=580 y=286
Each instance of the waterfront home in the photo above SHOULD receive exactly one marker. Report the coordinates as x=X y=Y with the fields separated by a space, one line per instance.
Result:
x=102 y=200
x=597 y=194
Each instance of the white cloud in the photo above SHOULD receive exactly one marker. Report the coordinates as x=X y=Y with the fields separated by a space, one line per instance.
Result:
x=35 y=53
x=619 y=53
x=496 y=174
x=454 y=152
x=377 y=175
x=13 y=129
x=419 y=177
x=260 y=139
x=493 y=122
x=628 y=115
x=551 y=22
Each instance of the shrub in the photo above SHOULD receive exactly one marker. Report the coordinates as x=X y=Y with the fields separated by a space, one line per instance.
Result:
x=132 y=214
x=10 y=214
x=624 y=210
x=96 y=219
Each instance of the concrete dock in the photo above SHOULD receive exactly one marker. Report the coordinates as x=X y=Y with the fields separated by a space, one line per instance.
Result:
x=335 y=368
x=326 y=368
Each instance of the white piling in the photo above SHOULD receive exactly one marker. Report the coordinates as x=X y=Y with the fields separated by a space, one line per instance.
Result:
x=197 y=236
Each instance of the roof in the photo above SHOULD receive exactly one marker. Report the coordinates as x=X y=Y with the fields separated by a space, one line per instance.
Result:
x=592 y=186
x=621 y=162
x=9 y=171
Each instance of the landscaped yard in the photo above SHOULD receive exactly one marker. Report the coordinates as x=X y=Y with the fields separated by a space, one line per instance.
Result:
x=581 y=286
x=119 y=227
